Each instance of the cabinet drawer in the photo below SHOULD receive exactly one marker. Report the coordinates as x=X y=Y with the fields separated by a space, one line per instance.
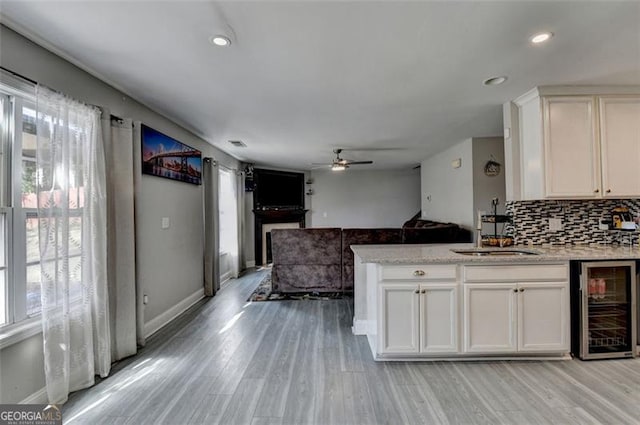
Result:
x=419 y=272
x=528 y=273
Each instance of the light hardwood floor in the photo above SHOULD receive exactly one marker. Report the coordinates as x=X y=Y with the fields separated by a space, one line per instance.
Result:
x=227 y=361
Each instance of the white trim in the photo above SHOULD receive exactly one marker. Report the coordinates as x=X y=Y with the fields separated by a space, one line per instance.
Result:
x=362 y=327
x=13 y=334
x=155 y=324
x=39 y=397
x=225 y=277
x=250 y=264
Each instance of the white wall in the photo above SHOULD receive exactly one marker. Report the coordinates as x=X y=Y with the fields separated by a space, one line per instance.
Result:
x=447 y=192
x=486 y=188
x=364 y=198
x=456 y=194
x=169 y=261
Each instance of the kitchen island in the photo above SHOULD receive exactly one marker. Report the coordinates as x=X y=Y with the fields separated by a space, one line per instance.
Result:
x=429 y=302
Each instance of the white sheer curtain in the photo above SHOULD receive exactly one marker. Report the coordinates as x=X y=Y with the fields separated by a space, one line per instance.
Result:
x=72 y=232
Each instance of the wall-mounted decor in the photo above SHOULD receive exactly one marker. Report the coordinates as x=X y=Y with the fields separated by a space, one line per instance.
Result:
x=492 y=168
x=164 y=156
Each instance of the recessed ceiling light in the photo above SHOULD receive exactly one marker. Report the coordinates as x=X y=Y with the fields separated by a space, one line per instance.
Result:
x=494 y=81
x=541 y=37
x=220 y=40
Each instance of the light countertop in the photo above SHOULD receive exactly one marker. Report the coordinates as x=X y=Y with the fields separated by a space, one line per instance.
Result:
x=441 y=253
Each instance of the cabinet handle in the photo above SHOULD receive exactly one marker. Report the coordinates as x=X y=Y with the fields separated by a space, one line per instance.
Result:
x=417 y=291
x=608 y=190
x=521 y=289
x=596 y=191
x=515 y=290
x=424 y=291
x=419 y=273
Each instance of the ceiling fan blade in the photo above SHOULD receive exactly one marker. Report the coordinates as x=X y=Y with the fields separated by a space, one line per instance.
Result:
x=319 y=166
x=359 y=162
x=321 y=163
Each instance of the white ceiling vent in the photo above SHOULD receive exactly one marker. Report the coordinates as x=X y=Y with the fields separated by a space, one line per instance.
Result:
x=238 y=143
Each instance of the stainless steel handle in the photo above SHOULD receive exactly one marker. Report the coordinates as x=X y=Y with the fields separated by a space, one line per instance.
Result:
x=419 y=273
x=596 y=191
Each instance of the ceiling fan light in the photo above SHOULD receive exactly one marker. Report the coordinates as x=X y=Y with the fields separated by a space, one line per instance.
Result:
x=338 y=167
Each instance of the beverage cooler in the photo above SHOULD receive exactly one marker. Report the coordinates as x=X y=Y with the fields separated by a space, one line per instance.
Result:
x=606 y=308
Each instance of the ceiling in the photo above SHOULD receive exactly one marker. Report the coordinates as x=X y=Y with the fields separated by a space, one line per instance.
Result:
x=395 y=81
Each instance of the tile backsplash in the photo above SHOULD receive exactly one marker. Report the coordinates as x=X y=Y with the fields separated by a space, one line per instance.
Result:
x=580 y=219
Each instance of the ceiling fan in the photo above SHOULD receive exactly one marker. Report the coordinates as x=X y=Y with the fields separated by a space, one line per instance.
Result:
x=340 y=164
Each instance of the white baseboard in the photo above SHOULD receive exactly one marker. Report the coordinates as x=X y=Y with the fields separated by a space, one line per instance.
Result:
x=225 y=277
x=155 y=324
x=361 y=327
x=249 y=264
x=39 y=397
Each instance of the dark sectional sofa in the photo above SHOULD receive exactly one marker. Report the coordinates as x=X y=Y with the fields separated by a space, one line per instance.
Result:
x=321 y=260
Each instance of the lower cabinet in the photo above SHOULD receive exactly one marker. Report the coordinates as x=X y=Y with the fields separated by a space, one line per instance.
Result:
x=418 y=318
x=516 y=317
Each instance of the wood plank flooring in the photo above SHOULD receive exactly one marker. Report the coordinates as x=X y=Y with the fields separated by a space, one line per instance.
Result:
x=227 y=361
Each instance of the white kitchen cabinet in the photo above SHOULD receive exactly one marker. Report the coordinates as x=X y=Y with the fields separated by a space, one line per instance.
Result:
x=516 y=308
x=543 y=317
x=620 y=146
x=418 y=318
x=439 y=318
x=417 y=309
x=571 y=163
x=573 y=142
x=398 y=318
x=489 y=318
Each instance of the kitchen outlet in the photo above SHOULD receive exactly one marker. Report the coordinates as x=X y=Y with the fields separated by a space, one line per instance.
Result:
x=165 y=222
x=555 y=224
x=145 y=299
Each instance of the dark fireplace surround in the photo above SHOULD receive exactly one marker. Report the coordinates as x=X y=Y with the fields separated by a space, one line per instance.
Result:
x=272 y=216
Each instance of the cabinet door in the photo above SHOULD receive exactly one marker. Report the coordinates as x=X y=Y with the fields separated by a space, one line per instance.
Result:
x=439 y=318
x=398 y=318
x=620 y=145
x=543 y=316
x=489 y=317
x=572 y=163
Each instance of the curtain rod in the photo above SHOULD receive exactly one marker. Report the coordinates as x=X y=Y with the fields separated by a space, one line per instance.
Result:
x=221 y=165
x=19 y=75
x=34 y=82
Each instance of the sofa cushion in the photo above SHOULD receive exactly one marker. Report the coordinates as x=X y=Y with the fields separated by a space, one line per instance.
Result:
x=306 y=246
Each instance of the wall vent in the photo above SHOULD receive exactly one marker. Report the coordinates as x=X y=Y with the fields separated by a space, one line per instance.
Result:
x=238 y=143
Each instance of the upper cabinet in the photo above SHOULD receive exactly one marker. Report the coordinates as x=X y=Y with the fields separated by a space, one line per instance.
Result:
x=620 y=145
x=573 y=143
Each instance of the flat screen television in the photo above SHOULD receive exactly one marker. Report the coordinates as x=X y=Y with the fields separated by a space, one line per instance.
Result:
x=278 y=189
x=166 y=157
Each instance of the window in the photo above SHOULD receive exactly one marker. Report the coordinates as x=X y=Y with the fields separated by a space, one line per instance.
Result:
x=228 y=213
x=19 y=247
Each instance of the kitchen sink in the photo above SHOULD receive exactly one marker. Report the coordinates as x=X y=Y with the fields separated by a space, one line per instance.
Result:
x=485 y=252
